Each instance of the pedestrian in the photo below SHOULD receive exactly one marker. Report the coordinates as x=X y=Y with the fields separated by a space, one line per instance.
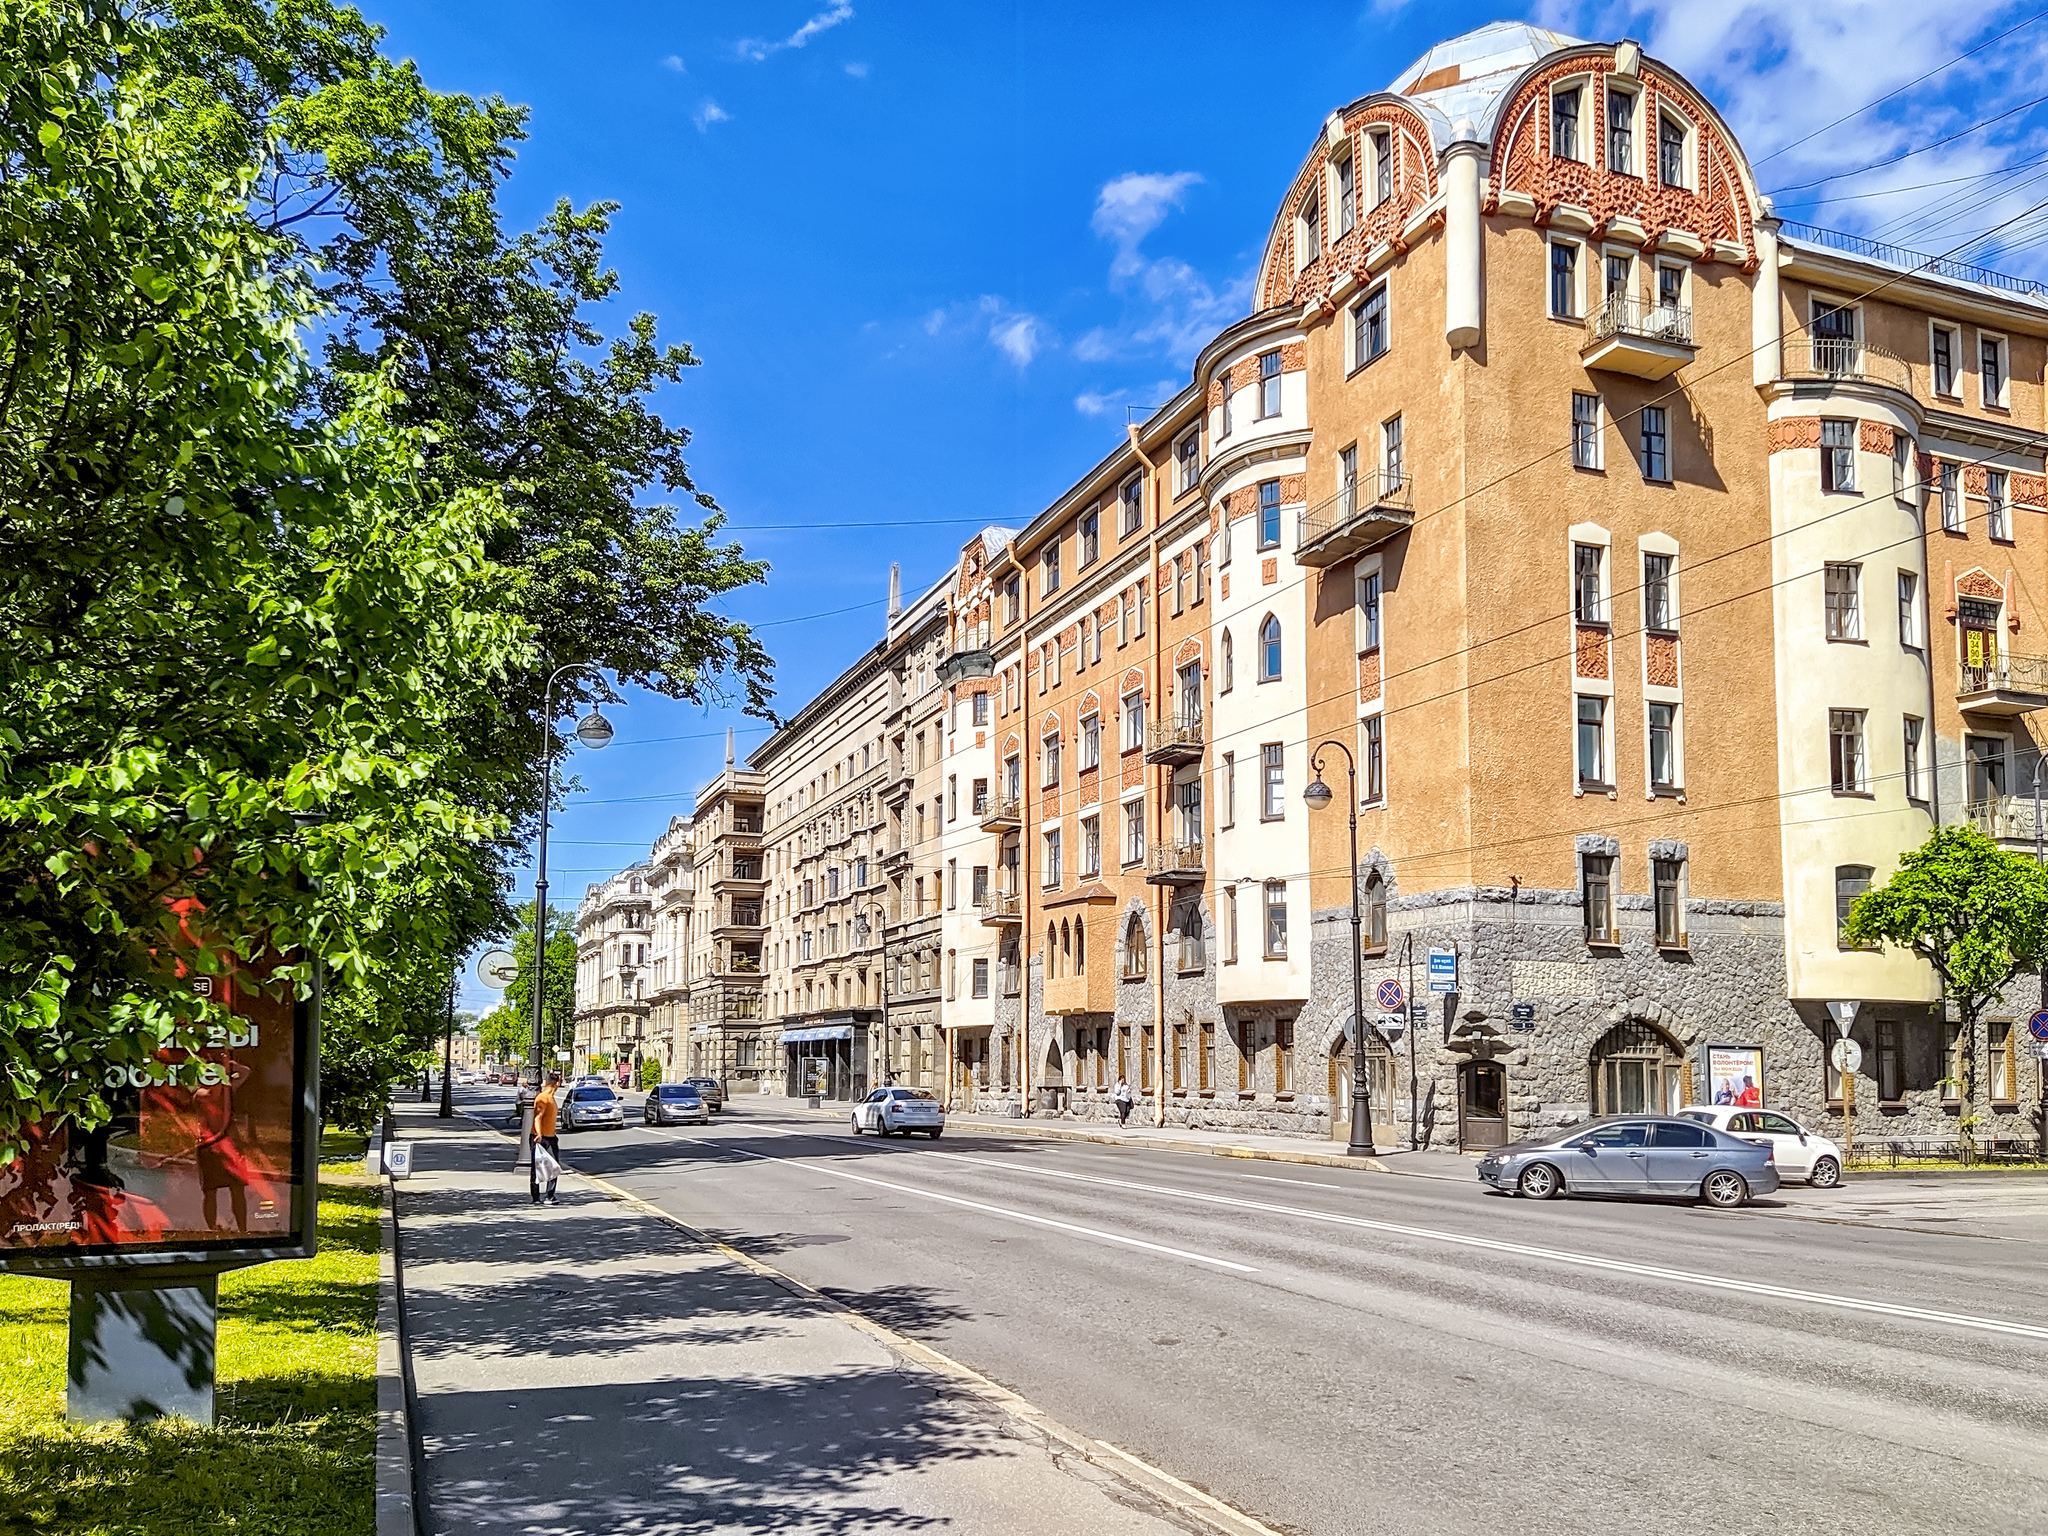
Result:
x=545 y=1140
x=1122 y=1099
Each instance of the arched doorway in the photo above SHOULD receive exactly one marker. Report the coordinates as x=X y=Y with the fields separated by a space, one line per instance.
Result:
x=1380 y=1079
x=1637 y=1069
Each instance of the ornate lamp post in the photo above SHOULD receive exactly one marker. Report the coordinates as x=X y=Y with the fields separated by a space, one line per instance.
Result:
x=595 y=732
x=1318 y=796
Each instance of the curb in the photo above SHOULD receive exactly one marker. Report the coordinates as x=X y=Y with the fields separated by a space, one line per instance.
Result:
x=397 y=1506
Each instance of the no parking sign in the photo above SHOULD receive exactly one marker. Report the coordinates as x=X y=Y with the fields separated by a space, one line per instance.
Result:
x=2037 y=1026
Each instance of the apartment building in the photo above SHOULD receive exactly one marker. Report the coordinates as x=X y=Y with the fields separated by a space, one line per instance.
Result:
x=728 y=928
x=922 y=881
x=672 y=889
x=615 y=938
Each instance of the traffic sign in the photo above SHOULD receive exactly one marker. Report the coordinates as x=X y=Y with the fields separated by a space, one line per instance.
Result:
x=1392 y=1027
x=1419 y=1012
x=496 y=969
x=2041 y=1050
x=2037 y=1026
x=1847 y=1055
x=1443 y=970
x=1390 y=995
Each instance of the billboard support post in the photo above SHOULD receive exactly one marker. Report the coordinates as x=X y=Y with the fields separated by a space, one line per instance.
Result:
x=141 y=1346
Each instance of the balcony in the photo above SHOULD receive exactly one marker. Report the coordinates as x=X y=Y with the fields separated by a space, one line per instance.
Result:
x=895 y=860
x=1844 y=357
x=1176 y=864
x=965 y=664
x=1174 y=741
x=1360 y=517
x=1002 y=815
x=1643 y=340
x=1000 y=908
x=2005 y=685
x=2005 y=819
x=714 y=1004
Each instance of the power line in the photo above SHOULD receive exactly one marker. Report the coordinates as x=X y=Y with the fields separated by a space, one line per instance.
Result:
x=1878 y=165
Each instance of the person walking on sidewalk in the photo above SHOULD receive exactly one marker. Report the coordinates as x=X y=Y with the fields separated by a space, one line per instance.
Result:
x=545 y=1139
x=1122 y=1099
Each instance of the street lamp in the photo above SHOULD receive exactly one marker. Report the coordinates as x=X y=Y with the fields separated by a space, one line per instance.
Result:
x=1318 y=796
x=595 y=732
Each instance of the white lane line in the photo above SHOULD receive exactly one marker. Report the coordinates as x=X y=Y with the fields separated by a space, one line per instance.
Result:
x=1300 y=1183
x=1553 y=1255
x=972 y=1205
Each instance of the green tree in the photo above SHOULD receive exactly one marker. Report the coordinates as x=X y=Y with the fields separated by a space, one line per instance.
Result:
x=558 y=983
x=1970 y=909
x=650 y=1073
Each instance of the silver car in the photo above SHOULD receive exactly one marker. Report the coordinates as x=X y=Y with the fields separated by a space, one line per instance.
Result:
x=899 y=1111
x=1635 y=1155
x=592 y=1104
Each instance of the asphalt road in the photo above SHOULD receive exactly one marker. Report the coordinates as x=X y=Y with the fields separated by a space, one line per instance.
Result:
x=1355 y=1352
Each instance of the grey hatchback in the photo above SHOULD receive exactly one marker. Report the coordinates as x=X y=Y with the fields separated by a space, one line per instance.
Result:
x=1634 y=1155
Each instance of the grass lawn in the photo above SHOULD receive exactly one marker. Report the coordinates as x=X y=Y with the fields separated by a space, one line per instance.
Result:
x=292 y=1451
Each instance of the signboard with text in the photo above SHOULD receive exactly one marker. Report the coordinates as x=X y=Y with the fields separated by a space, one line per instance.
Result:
x=1443 y=970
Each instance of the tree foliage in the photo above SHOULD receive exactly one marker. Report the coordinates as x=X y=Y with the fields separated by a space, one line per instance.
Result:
x=558 y=996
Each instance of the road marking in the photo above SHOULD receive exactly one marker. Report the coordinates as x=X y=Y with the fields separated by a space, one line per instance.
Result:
x=1552 y=1255
x=976 y=1205
x=1299 y=1183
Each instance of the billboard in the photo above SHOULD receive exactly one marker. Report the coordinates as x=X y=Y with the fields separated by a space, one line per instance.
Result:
x=210 y=1158
x=1735 y=1075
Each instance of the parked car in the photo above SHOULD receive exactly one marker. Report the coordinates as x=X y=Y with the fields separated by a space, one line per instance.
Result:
x=899 y=1111
x=1800 y=1153
x=674 y=1104
x=1634 y=1155
x=592 y=1104
x=710 y=1089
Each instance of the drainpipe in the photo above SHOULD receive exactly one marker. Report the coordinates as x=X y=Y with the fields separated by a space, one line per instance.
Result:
x=1025 y=916
x=1164 y=899
x=1462 y=273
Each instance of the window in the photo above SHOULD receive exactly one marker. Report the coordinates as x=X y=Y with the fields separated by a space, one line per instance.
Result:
x=1844 y=600
x=1050 y=563
x=1396 y=474
x=1564 y=123
x=1659 y=613
x=1187 y=458
x=1621 y=132
x=1369 y=611
x=1375 y=913
x=1375 y=761
x=1091 y=742
x=1596 y=892
x=1996 y=524
x=1229 y=895
x=1369 y=326
x=1269 y=650
x=1134 y=505
x=1670 y=151
x=1585 y=431
x=1985 y=756
x=1194 y=952
x=979 y=885
x=1091 y=535
x=1564 y=280
x=1838 y=455
x=981 y=978
x=1134 y=721
x=1944 y=359
x=1991 y=369
x=1382 y=167
x=1587 y=604
x=1188 y=702
x=1617 y=268
x=1913 y=730
x=1664 y=876
x=1201 y=570
x=1223 y=536
x=1180 y=583
x=952 y=884
x=1283 y=1056
x=952 y=797
x=1656 y=443
x=1013 y=600
x=1276 y=919
x=1851 y=881
x=1134 y=832
x=1592 y=743
x=981 y=709
x=1269 y=514
x=1052 y=858
x=1347 y=195
x=1663 y=745
x=1846 y=767
x=1246 y=1035
x=1052 y=761
x=1013 y=778
x=1273 y=782
x=1134 y=949
x=1205 y=1062
x=1269 y=384
x=1226 y=663
x=1229 y=408
x=1999 y=1037
x=1890 y=1081
x=1091 y=847
x=1229 y=789
x=1909 y=610
x=1902 y=467
x=1951 y=500
x=1311 y=231
x=1347 y=477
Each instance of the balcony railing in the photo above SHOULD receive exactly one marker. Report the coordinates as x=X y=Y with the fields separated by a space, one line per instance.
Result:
x=1174 y=741
x=1844 y=357
x=2004 y=818
x=999 y=813
x=1002 y=907
x=1362 y=515
x=1633 y=336
x=1176 y=864
x=2004 y=685
x=1912 y=261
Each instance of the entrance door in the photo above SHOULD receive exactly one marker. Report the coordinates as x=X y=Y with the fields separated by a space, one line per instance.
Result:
x=1978 y=622
x=1482 y=1117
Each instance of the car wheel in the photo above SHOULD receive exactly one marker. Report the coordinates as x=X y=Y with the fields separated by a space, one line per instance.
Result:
x=1724 y=1189
x=1540 y=1181
x=933 y=1133
x=1826 y=1174
x=856 y=1125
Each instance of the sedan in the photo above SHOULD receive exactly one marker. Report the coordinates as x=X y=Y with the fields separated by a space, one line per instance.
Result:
x=710 y=1090
x=899 y=1111
x=1635 y=1155
x=1799 y=1153
x=675 y=1104
x=592 y=1104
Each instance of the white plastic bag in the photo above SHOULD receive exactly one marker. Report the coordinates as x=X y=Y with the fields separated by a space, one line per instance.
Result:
x=545 y=1169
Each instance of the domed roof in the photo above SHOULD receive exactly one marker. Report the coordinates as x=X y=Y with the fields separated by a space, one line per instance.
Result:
x=1464 y=77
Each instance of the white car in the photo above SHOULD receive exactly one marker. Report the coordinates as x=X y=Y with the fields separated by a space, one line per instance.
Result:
x=899 y=1111
x=1800 y=1154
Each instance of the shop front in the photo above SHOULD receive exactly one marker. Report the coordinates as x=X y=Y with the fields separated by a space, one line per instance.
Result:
x=828 y=1061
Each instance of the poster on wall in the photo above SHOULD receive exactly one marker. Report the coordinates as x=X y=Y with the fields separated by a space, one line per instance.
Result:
x=207 y=1158
x=1735 y=1076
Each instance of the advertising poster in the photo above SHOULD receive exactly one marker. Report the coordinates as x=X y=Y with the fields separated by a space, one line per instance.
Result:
x=201 y=1156
x=1735 y=1075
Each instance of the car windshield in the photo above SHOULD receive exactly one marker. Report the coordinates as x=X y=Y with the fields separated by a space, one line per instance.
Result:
x=677 y=1091
x=913 y=1093
x=592 y=1095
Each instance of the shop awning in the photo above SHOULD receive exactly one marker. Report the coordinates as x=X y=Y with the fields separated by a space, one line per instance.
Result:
x=829 y=1032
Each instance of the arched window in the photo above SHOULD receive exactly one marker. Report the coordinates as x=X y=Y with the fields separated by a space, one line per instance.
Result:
x=1080 y=947
x=1227 y=663
x=1134 y=948
x=1269 y=649
x=1637 y=1070
x=1066 y=950
x=1375 y=912
x=1052 y=948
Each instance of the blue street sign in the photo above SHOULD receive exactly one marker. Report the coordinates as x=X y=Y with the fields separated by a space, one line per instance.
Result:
x=1390 y=995
x=2037 y=1026
x=1523 y=1016
x=1443 y=970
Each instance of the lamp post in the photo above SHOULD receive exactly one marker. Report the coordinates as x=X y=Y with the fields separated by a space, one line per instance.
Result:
x=447 y=1110
x=595 y=732
x=1318 y=797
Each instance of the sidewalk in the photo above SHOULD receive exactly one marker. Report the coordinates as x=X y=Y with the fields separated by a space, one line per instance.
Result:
x=594 y=1368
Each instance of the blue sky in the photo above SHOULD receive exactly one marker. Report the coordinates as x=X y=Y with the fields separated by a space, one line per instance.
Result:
x=929 y=253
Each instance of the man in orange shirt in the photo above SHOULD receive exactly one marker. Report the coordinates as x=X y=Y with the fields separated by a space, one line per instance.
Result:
x=544 y=1137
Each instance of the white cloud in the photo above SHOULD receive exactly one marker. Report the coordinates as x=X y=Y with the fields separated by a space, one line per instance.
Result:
x=1019 y=337
x=1018 y=334
x=1131 y=206
x=858 y=71
x=1175 y=309
x=675 y=62
x=707 y=114
x=756 y=49
x=1113 y=402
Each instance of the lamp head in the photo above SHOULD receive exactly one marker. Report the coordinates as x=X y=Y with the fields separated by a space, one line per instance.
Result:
x=594 y=731
x=1317 y=795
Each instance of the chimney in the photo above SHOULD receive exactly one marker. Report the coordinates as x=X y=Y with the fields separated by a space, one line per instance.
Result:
x=895 y=592
x=728 y=749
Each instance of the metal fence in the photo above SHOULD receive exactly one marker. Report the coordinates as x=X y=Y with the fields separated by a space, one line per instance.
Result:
x=1844 y=357
x=1623 y=315
x=1913 y=261
x=1956 y=1151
